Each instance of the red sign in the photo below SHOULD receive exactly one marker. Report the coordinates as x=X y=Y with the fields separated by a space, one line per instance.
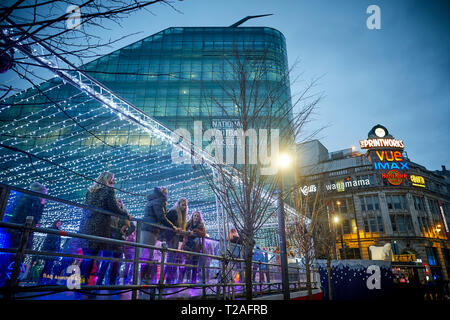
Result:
x=394 y=177
x=427 y=270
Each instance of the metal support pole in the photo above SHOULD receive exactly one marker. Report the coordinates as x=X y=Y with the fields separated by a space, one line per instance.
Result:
x=137 y=254
x=357 y=228
x=282 y=243
x=223 y=277
x=260 y=278
x=203 y=259
x=12 y=282
x=161 y=270
x=4 y=196
x=334 y=238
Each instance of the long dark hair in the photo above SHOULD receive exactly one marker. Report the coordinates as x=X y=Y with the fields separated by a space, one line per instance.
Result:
x=191 y=220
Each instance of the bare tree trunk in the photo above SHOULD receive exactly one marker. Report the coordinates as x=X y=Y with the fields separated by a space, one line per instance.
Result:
x=248 y=256
x=330 y=295
x=308 y=278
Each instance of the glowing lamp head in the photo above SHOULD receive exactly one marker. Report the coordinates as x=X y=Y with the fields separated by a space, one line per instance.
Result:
x=336 y=219
x=284 y=161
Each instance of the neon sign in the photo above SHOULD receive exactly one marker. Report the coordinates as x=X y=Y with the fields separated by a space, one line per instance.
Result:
x=394 y=160
x=394 y=177
x=381 y=143
x=417 y=181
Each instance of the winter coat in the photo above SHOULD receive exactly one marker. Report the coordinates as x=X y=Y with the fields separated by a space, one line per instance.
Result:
x=155 y=211
x=116 y=226
x=169 y=235
x=52 y=242
x=130 y=237
x=96 y=223
x=27 y=205
x=194 y=242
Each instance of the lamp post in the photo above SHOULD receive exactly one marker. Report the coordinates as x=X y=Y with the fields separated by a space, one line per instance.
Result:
x=336 y=221
x=283 y=163
x=344 y=254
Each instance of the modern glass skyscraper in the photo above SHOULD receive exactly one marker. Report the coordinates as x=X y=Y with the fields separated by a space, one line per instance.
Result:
x=176 y=76
x=178 y=69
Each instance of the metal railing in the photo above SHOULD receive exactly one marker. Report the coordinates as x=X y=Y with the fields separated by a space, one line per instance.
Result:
x=221 y=272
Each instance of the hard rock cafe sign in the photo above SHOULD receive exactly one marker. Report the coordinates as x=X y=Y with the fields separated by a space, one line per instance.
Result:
x=394 y=177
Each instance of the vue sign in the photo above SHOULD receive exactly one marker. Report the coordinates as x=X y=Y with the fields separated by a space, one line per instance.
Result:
x=394 y=160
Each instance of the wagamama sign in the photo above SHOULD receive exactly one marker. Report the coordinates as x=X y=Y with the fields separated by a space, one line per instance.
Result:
x=337 y=186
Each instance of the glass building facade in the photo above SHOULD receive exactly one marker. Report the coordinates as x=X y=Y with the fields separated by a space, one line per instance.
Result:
x=173 y=76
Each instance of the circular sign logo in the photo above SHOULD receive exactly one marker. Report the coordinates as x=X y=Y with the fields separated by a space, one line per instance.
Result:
x=394 y=177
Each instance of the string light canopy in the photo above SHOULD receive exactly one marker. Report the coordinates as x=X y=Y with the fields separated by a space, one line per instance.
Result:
x=75 y=122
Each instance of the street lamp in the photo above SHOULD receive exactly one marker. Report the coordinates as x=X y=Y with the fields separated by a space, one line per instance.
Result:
x=336 y=221
x=344 y=254
x=284 y=162
x=438 y=230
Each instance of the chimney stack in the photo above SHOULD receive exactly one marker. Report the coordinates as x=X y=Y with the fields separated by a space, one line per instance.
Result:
x=443 y=169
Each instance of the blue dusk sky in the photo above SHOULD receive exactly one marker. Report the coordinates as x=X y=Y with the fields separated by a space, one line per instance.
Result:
x=397 y=76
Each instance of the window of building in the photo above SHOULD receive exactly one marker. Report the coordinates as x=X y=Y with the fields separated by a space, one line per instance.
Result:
x=419 y=203
x=341 y=205
x=402 y=223
x=396 y=202
x=393 y=223
x=434 y=207
x=350 y=253
x=373 y=223
x=380 y=224
x=432 y=256
x=394 y=247
x=346 y=226
x=369 y=203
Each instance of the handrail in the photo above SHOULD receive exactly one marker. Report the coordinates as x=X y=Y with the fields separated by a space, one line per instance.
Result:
x=225 y=268
x=84 y=206
x=117 y=242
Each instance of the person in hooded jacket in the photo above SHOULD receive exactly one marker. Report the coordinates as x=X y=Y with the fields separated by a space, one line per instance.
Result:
x=27 y=205
x=24 y=205
x=155 y=214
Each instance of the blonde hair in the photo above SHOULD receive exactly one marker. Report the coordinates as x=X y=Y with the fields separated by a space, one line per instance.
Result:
x=181 y=215
x=103 y=179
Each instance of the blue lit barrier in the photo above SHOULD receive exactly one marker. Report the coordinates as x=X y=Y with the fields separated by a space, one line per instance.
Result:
x=356 y=279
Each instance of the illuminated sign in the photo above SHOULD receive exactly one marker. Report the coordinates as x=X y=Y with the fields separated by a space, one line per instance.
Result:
x=339 y=186
x=394 y=161
x=391 y=166
x=381 y=143
x=307 y=189
x=404 y=258
x=394 y=177
x=417 y=181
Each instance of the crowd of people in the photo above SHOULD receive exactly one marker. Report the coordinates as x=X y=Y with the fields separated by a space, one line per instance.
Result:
x=172 y=226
